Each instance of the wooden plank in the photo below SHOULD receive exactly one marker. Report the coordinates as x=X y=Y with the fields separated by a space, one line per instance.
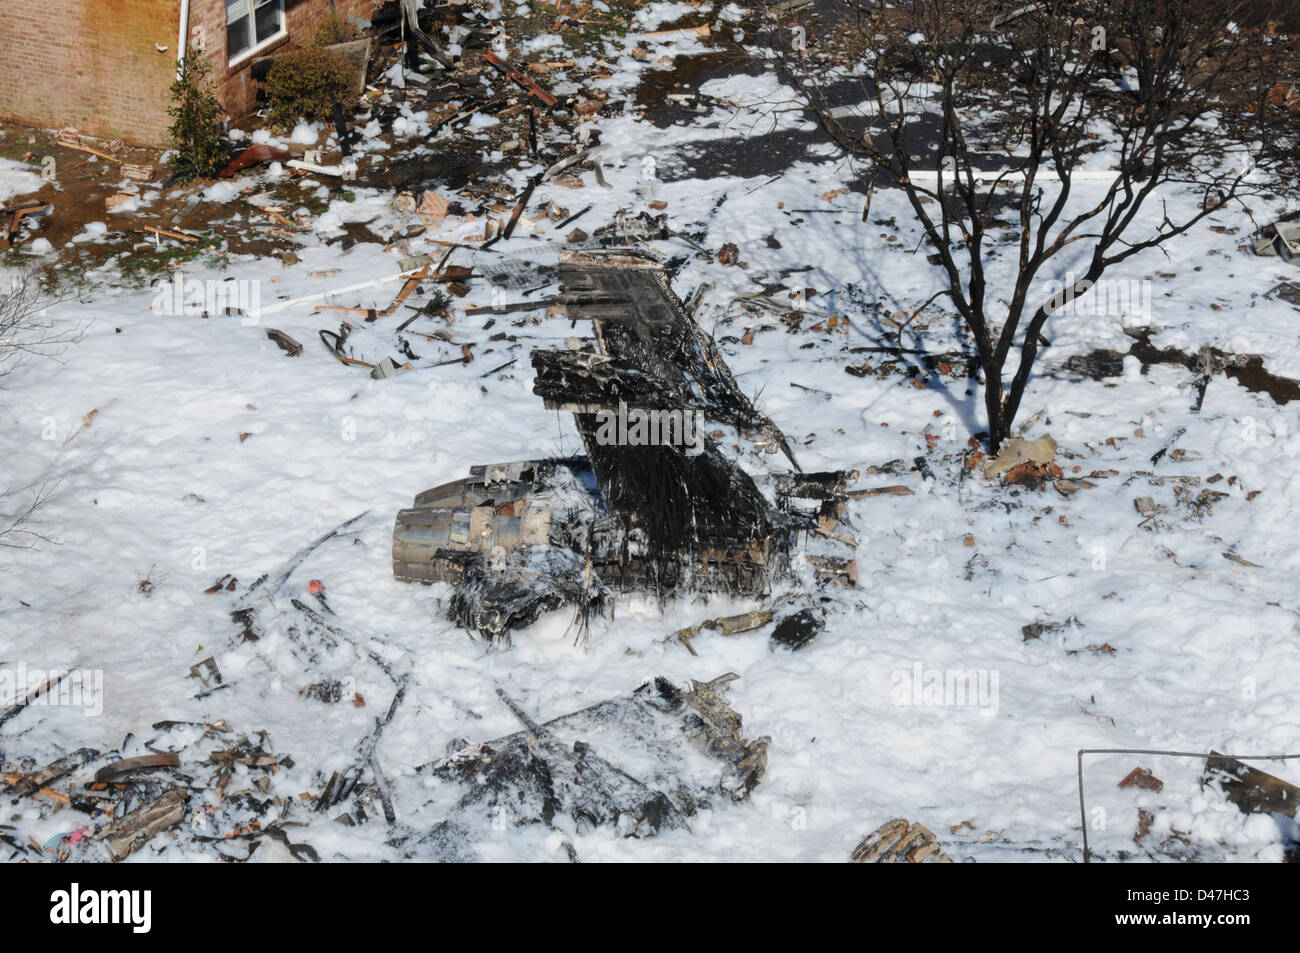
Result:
x=93 y=152
x=679 y=32
x=896 y=490
x=273 y=214
x=517 y=77
x=166 y=233
x=1251 y=790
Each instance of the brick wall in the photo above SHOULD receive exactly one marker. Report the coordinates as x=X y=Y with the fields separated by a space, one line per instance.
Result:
x=93 y=64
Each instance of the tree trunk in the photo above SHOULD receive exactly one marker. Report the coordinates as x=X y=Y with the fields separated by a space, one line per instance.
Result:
x=999 y=426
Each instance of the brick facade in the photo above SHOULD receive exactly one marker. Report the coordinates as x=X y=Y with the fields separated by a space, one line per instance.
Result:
x=91 y=64
x=95 y=64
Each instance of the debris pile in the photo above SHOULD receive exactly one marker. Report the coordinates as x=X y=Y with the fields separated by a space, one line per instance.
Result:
x=653 y=506
x=637 y=764
x=203 y=784
x=641 y=764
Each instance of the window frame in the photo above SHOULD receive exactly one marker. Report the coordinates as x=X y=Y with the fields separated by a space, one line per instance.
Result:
x=238 y=59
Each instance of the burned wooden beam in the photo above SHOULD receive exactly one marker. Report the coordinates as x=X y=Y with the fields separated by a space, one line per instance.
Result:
x=340 y=786
x=1251 y=790
x=515 y=76
x=52 y=772
x=426 y=42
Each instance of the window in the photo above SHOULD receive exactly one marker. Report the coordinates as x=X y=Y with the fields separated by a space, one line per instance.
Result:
x=251 y=24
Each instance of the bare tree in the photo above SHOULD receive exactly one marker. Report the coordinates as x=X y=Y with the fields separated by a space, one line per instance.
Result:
x=20 y=530
x=28 y=329
x=977 y=109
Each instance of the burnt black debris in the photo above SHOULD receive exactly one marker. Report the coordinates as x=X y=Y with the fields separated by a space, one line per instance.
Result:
x=519 y=539
x=557 y=775
x=1036 y=630
x=1251 y=790
x=797 y=630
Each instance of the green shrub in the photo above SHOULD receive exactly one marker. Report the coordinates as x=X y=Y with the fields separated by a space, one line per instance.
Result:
x=334 y=29
x=196 y=122
x=306 y=84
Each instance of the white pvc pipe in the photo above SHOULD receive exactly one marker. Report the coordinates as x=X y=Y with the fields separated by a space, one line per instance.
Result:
x=182 y=40
x=325 y=295
x=338 y=170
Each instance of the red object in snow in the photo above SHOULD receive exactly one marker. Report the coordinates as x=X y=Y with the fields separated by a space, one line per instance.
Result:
x=256 y=154
x=518 y=77
x=315 y=587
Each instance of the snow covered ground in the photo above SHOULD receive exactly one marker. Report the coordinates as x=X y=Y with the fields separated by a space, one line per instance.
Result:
x=16 y=178
x=211 y=452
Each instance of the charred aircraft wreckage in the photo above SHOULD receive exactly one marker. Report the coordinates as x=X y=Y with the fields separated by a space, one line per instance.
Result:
x=519 y=539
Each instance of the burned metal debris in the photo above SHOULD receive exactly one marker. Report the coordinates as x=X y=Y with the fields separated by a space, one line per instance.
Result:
x=621 y=763
x=495 y=535
x=657 y=511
